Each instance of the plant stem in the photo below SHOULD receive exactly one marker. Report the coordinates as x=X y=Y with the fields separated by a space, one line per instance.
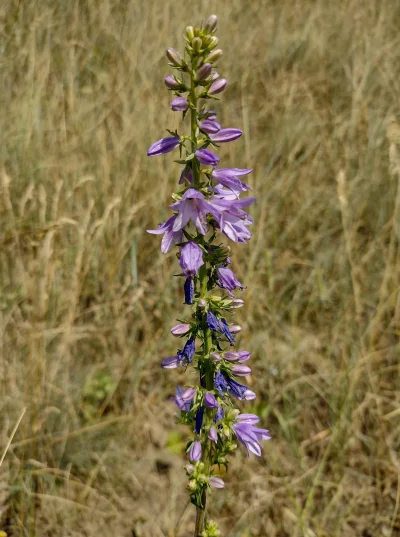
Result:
x=207 y=370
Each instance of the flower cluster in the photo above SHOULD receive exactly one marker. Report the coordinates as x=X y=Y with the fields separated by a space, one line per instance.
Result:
x=207 y=202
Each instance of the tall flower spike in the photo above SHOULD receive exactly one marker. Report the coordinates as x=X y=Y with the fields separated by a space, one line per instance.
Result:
x=207 y=205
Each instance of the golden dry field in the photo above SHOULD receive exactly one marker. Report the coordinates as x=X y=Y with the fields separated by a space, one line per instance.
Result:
x=87 y=299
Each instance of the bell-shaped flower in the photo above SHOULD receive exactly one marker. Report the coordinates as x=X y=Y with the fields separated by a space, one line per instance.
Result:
x=216 y=482
x=165 y=145
x=191 y=259
x=204 y=156
x=229 y=177
x=188 y=289
x=171 y=237
x=225 y=135
x=210 y=401
x=193 y=207
x=249 y=435
x=213 y=434
x=195 y=451
x=183 y=399
x=186 y=355
x=227 y=280
x=179 y=104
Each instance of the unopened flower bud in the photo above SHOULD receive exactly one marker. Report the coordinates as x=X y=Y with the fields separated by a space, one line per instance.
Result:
x=190 y=33
x=235 y=328
x=211 y=23
x=204 y=71
x=216 y=482
x=202 y=303
x=180 y=329
x=241 y=370
x=174 y=56
x=195 y=451
x=197 y=43
x=217 y=86
x=213 y=434
x=192 y=484
x=213 y=42
x=214 y=55
x=215 y=357
x=237 y=303
x=179 y=104
x=171 y=82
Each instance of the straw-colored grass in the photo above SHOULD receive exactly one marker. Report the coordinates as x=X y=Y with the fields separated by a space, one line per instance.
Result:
x=87 y=298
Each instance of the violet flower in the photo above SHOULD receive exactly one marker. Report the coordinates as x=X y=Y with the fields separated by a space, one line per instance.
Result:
x=249 y=435
x=171 y=236
x=171 y=362
x=179 y=104
x=180 y=329
x=183 y=399
x=213 y=434
x=204 y=71
x=217 y=86
x=224 y=328
x=241 y=370
x=188 y=351
x=199 y=420
x=209 y=126
x=188 y=289
x=193 y=207
x=195 y=451
x=229 y=177
x=191 y=259
x=171 y=82
x=226 y=385
x=165 y=145
x=207 y=157
x=186 y=174
x=225 y=135
x=216 y=482
x=210 y=401
x=227 y=280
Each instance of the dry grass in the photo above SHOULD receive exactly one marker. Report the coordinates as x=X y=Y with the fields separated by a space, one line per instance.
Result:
x=87 y=298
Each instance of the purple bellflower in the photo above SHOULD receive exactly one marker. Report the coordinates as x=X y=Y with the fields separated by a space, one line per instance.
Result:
x=210 y=401
x=193 y=207
x=209 y=126
x=213 y=434
x=165 y=145
x=183 y=399
x=171 y=237
x=227 y=280
x=207 y=157
x=188 y=289
x=216 y=482
x=179 y=104
x=217 y=86
x=195 y=451
x=229 y=177
x=249 y=435
x=225 y=135
x=188 y=351
x=199 y=420
x=191 y=259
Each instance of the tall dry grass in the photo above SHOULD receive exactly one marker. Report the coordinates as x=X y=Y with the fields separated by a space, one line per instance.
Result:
x=87 y=299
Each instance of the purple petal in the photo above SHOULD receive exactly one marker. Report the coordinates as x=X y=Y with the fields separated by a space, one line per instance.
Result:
x=207 y=157
x=191 y=259
x=179 y=104
x=213 y=434
x=171 y=362
x=241 y=370
x=210 y=401
x=249 y=395
x=165 y=145
x=217 y=86
x=195 y=451
x=216 y=482
x=226 y=135
x=209 y=126
x=180 y=329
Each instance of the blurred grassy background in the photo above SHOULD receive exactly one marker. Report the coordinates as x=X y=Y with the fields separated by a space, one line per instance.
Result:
x=87 y=298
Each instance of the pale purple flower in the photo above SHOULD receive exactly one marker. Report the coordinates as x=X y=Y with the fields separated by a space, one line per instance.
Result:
x=249 y=435
x=225 y=135
x=232 y=220
x=209 y=126
x=180 y=329
x=194 y=207
x=183 y=399
x=235 y=328
x=204 y=71
x=227 y=280
x=188 y=351
x=165 y=145
x=218 y=86
x=171 y=82
x=241 y=356
x=249 y=395
x=229 y=177
x=179 y=104
x=216 y=482
x=171 y=237
x=237 y=303
x=210 y=401
x=191 y=259
x=195 y=451
x=241 y=370
x=207 y=157
x=213 y=434
x=171 y=362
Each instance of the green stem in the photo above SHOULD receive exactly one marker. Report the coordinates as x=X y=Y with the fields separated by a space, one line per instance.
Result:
x=207 y=369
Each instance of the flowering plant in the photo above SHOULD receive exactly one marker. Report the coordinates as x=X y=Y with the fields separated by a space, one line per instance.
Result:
x=207 y=202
